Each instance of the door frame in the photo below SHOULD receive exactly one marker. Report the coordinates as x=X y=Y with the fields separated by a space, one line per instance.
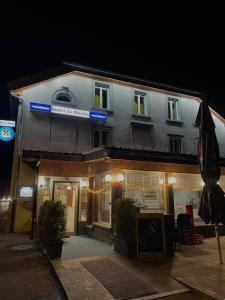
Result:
x=77 y=203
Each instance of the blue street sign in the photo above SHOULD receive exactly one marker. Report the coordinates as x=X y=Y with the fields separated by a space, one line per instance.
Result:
x=40 y=107
x=98 y=115
x=6 y=134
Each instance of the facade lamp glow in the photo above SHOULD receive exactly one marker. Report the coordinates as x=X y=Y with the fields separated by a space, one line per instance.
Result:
x=161 y=181
x=84 y=183
x=172 y=180
x=108 y=178
x=120 y=177
x=69 y=187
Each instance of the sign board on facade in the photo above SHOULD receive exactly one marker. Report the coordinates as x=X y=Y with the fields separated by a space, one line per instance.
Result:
x=67 y=111
x=7 y=123
x=62 y=110
x=26 y=192
x=6 y=134
x=40 y=107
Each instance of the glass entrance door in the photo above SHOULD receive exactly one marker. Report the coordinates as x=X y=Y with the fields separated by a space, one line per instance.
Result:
x=67 y=193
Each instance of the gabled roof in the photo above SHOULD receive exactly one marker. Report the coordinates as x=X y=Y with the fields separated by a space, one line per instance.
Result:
x=70 y=66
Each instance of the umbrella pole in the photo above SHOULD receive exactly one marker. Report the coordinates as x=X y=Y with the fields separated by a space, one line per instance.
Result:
x=218 y=243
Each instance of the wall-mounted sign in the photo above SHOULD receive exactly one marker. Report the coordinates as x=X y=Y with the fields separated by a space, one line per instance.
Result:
x=26 y=192
x=68 y=111
x=62 y=110
x=7 y=123
x=40 y=107
x=6 y=134
x=98 y=115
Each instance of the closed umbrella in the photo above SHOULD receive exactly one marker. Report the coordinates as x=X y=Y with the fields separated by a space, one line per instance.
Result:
x=212 y=205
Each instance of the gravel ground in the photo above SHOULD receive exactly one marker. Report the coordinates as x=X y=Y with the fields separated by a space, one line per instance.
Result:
x=24 y=272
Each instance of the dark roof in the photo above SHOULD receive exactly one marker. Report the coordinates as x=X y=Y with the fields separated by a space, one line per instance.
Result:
x=31 y=155
x=117 y=153
x=69 y=66
x=38 y=77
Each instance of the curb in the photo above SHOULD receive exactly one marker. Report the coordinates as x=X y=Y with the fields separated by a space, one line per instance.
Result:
x=197 y=291
x=54 y=273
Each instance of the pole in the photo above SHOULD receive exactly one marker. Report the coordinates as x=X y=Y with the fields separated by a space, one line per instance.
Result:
x=218 y=243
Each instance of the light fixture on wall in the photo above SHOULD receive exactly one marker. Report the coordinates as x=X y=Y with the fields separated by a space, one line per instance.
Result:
x=172 y=180
x=108 y=178
x=161 y=181
x=202 y=183
x=120 y=177
x=69 y=187
x=84 y=183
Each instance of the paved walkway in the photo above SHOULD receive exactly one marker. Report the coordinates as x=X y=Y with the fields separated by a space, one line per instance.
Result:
x=83 y=246
x=24 y=272
x=80 y=284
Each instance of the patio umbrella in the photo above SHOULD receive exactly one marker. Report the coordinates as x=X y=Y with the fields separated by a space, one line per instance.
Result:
x=212 y=205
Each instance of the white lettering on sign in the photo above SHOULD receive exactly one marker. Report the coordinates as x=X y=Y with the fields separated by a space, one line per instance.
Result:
x=70 y=111
x=6 y=123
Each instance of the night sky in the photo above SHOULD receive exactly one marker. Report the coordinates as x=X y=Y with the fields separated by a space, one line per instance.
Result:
x=182 y=46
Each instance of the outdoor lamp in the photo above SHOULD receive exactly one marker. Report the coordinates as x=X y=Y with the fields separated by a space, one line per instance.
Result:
x=84 y=183
x=108 y=178
x=69 y=187
x=172 y=180
x=120 y=177
x=161 y=181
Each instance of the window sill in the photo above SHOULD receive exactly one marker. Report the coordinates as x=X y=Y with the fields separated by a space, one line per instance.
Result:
x=141 y=116
x=175 y=122
x=106 y=110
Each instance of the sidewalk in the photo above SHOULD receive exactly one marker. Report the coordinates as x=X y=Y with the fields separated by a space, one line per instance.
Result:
x=79 y=283
x=24 y=273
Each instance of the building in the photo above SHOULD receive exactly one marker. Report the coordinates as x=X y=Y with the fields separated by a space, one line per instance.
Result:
x=87 y=137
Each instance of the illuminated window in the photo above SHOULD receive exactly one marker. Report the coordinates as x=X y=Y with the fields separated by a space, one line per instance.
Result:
x=139 y=106
x=101 y=137
x=175 y=143
x=173 y=109
x=101 y=98
x=104 y=204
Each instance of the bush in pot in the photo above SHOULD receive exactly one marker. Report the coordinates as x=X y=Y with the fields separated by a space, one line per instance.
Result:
x=124 y=223
x=52 y=227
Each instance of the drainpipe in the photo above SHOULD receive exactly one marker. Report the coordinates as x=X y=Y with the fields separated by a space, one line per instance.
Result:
x=34 y=208
x=17 y=156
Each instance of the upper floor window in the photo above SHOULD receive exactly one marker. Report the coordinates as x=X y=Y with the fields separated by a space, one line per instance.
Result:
x=101 y=137
x=64 y=96
x=175 y=143
x=173 y=109
x=101 y=98
x=139 y=106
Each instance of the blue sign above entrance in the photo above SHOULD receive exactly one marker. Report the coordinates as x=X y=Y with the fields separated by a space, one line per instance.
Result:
x=40 y=107
x=6 y=134
x=68 y=111
x=98 y=115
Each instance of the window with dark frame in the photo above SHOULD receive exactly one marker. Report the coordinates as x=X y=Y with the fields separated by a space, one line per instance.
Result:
x=101 y=99
x=101 y=137
x=175 y=144
x=139 y=106
x=173 y=109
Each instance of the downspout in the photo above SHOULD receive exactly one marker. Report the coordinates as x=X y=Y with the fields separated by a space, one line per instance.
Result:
x=17 y=156
x=34 y=208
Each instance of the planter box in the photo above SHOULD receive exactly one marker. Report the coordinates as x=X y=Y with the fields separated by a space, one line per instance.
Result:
x=55 y=250
x=126 y=249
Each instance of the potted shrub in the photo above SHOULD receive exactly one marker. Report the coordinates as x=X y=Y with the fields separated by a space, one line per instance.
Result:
x=124 y=223
x=52 y=227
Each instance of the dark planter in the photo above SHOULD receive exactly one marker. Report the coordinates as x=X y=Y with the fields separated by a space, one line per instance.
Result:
x=124 y=248
x=54 y=250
